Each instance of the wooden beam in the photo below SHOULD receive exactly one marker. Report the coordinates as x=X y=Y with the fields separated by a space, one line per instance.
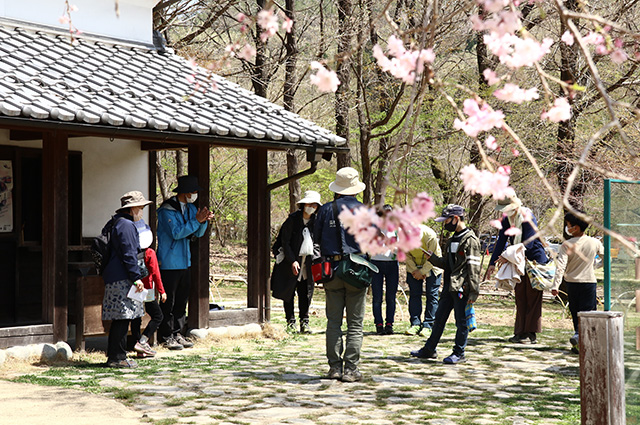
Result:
x=199 y=295
x=55 y=219
x=258 y=230
x=162 y=146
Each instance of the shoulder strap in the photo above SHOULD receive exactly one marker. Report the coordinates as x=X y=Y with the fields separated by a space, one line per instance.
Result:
x=334 y=205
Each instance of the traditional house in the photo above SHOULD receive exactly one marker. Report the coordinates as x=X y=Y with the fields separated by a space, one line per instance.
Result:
x=80 y=122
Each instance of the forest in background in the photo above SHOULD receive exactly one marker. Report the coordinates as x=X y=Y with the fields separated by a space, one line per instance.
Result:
x=376 y=112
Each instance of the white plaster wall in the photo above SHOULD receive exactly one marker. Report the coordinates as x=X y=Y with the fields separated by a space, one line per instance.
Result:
x=110 y=169
x=93 y=16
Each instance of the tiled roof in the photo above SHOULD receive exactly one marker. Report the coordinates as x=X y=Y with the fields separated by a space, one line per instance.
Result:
x=44 y=77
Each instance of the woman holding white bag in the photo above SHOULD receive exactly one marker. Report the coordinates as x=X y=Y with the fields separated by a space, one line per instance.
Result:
x=292 y=273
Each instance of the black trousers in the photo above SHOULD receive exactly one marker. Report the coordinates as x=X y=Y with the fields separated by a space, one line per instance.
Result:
x=117 y=342
x=305 y=293
x=176 y=285
x=582 y=297
x=153 y=310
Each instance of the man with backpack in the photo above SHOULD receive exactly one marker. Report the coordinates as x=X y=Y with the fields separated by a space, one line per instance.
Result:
x=179 y=222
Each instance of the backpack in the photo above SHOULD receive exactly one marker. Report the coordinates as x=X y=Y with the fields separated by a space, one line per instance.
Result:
x=101 y=248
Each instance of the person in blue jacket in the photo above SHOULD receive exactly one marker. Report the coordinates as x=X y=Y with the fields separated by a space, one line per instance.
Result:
x=179 y=222
x=528 y=300
x=120 y=274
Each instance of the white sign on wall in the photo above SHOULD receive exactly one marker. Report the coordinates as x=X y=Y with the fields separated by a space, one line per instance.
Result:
x=6 y=196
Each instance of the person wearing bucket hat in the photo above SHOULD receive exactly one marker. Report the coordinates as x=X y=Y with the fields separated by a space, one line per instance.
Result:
x=528 y=300
x=334 y=243
x=461 y=265
x=292 y=274
x=120 y=274
x=179 y=222
x=153 y=283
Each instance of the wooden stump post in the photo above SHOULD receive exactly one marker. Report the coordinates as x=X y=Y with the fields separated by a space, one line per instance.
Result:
x=602 y=395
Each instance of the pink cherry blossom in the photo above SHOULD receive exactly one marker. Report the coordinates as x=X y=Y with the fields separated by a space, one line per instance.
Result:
x=561 y=111
x=513 y=93
x=593 y=38
x=567 y=38
x=618 y=56
x=373 y=232
x=395 y=46
x=326 y=80
x=404 y=64
x=512 y=231
x=485 y=183
x=64 y=20
x=501 y=23
x=618 y=43
x=479 y=118
x=240 y=17
x=490 y=142
x=287 y=25
x=247 y=52
x=73 y=8
x=268 y=21
x=515 y=152
x=490 y=76
x=493 y=6
x=601 y=50
x=496 y=223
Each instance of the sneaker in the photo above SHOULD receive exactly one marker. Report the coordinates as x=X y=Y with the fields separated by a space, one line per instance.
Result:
x=532 y=338
x=143 y=349
x=388 y=329
x=184 y=341
x=335 y=372
x=304 y=327
x=291 y=326
x=575 y=350
x=424 y=332
x=424 y=353
x=413 y=330
x=172 y=344
x=454 y=359
x=380 y=329
x=574 y=340
x=520 y=339
x=126 y=363
x=352 y=375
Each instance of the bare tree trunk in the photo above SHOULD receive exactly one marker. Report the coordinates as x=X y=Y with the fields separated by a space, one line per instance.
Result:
x=342 y=69
x=162 y=178
x=288 y=99
x=181 y=163
x=259 y=73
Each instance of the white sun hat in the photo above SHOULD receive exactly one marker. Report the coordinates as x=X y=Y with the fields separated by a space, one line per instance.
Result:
x=347 y=182
x=310 y=197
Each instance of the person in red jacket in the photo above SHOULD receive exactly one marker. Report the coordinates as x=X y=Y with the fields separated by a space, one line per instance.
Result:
x=153 y=283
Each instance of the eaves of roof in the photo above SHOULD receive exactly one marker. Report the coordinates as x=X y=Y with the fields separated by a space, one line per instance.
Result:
x=96 y=87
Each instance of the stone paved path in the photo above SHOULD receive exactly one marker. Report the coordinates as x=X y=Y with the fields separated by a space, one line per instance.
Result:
x=264 y=381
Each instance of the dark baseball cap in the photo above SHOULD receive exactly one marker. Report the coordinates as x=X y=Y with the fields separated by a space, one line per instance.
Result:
x=450 y=211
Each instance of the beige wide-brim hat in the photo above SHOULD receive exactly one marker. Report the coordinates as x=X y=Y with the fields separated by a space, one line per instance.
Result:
x=133 y=199
x=310 y=197
x=507 y=205
x=347 y=182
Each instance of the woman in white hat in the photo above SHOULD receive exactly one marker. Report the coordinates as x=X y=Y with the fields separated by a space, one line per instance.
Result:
x=293 y=273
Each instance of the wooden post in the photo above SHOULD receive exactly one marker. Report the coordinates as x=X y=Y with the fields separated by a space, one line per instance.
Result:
x=258 y=232
x=637 y=311
x=55 y=219
x=602 y=396
x=199 y=295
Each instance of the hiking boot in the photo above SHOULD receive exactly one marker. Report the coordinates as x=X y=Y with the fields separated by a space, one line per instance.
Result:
x=126 y=363
x=413 y=330
x=304 y=327
x=352 y=375
x=143 y=349
x=335 y=372
x=172 y=344
x=388 y=329
x=424 y=353
x=574 y=340
x=184 y=341
x=380 y=329
x=454 y=359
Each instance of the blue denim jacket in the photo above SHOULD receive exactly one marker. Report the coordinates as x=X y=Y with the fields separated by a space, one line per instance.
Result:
x=174 y=235
x=324 y=230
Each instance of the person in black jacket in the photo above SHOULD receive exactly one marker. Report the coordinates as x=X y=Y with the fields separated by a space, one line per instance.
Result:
x=293 y=273
x=121 y=273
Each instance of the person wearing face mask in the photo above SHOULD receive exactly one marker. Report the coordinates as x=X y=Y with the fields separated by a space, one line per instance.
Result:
x=528 y=300
x=179 y=222
x=293 y=273
x=461 y=265
x=120 y=274
x=575 y=267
